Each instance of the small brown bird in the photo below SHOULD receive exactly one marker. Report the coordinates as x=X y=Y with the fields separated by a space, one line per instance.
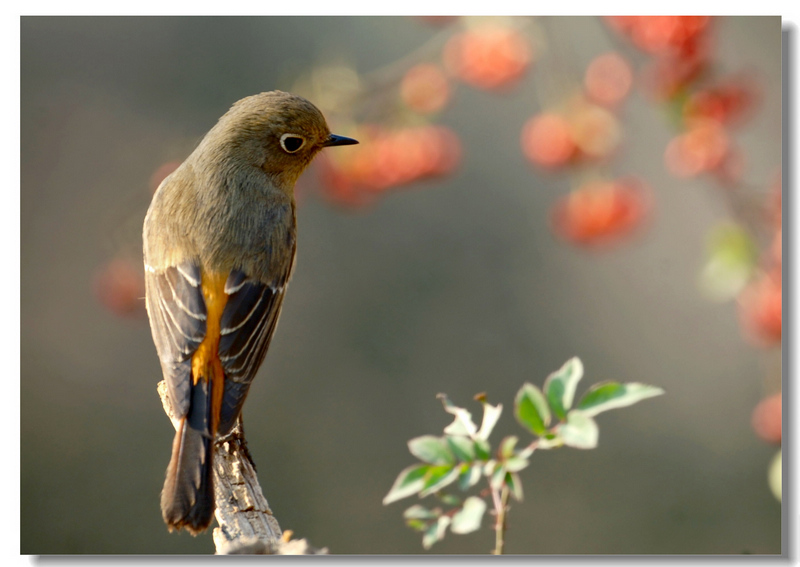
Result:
x=219 y=247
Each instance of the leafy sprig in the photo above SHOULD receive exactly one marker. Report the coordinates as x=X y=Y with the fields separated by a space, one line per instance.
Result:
x=463 y=455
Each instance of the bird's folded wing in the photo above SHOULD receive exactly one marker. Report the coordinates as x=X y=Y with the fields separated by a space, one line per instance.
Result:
x=178 y=323
x=246 y=328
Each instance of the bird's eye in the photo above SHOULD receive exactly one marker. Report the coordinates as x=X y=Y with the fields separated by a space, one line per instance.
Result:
x=291 y=143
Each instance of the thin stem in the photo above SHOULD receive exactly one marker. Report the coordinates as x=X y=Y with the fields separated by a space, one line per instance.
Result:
x=500 y=526
x=496 y=502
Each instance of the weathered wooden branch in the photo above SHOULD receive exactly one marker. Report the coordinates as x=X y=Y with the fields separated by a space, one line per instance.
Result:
x=246 y=523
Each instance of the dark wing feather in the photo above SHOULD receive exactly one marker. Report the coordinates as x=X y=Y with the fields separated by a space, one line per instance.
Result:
x=246 y=328
x=178 y=322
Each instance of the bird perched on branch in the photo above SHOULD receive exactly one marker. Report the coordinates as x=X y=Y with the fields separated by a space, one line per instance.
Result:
x=219 y=247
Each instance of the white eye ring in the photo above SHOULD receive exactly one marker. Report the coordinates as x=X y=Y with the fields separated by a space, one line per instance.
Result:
x=291 y=138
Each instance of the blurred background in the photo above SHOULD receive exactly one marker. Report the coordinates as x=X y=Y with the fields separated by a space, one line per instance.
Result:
x=526 y=190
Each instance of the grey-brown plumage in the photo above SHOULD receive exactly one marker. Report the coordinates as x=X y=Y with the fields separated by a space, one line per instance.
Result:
x=219 y=248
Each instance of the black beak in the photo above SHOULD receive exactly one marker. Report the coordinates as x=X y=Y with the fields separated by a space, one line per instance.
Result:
x=334 y=140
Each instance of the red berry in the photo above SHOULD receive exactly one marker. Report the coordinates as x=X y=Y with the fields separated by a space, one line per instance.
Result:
x=595 y=130
x=760 y=309
x=547 y=140
x=727 y=103
x=766 y=419
x=600 y=212
x=490 y=57
x=701 y=149
x=608 y=79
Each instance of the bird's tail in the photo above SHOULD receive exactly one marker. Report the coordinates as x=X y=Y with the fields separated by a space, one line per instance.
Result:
x=187 y=500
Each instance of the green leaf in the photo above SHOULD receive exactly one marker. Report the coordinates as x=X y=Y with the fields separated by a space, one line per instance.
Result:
x=435 y=532
x=580 y=430
x=417 y=525
x=448 y=499
x=468 y=519
x=507 y=446
x=559 y=388
x=438 y=477
x=515 y=464
x=531 y=409
x=462 y=425
x=433 y=450
x=490 y=416
x=498 y=477
x=548 y=442
x=463 y=448
x=514 y=485
x=419 y=512
x=482 y=449
x=731 y=261
x=410 y=481
x=611 y=395
x=469 y=476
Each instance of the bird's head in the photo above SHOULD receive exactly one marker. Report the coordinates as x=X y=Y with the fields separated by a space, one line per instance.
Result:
x=276 y=131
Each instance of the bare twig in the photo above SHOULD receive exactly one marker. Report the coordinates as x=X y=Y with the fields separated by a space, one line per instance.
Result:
x=242 y=510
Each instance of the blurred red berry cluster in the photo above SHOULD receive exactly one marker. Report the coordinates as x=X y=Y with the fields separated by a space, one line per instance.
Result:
x=601 y=212
x=585 y=130
x=404 y=147
x=578 y=132
x=760 y=306
x=680 y=47
x=681 y=73
x=702 y=148
x=707 y=109
x=659 y=35
x=707 y=116
x=489 y=56
x=728 y=102
x=760 y=303
x=387 y=158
